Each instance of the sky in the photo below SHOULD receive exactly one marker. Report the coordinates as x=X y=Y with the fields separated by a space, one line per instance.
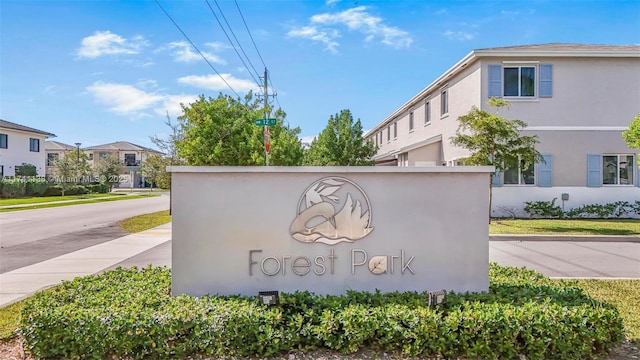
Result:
x=97 y=72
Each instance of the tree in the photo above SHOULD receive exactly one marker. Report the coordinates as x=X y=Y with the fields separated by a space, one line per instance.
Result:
x=221 y=131
x=341 y=144
x=71 y=169
x=108 y=170
x=632 y=135
x=154 y=169
x=494 y=140
x=26 y=170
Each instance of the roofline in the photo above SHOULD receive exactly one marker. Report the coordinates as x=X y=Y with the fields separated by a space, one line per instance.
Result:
x=26 y=129
x=475 y=55
x=438 y=82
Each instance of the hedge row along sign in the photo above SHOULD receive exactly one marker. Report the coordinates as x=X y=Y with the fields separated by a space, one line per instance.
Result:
x=329 y=229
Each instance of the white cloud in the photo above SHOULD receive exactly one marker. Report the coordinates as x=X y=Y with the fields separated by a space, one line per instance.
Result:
x=171 y=104
x=441 y=12
x=50 y=90
x=307 y=139
x=359 y=19
x=509 y=13
x=332 y=2
x=459 y=35
x=182 y=51
x=312 y=33
x=147 y=84
x=214 y=82
x=123 y=99
x=107 y=43
x=355 y=19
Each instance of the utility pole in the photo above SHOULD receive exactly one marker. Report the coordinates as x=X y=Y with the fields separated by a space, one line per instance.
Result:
x=267 y=135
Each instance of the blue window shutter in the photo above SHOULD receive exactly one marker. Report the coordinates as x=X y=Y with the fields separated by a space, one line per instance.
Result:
x=546 y=80
x=545 y=178
x=496 y=179
x=495 y=81
x=594 y=170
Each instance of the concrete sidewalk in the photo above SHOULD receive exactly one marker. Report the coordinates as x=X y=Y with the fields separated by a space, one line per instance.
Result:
x=20 y=283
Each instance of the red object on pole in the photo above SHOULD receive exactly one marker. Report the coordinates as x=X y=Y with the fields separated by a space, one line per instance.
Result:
x=267 y=139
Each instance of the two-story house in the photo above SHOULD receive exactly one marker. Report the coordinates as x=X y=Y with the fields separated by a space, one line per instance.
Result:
x=576 y=98
x=131 y=156
x=56 y=150
x=19 y=145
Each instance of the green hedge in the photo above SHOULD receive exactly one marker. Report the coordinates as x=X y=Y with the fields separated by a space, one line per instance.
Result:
x=129 y=313
x=12 y=188
x=98 y=188
x=56 y=190
x=36 y=187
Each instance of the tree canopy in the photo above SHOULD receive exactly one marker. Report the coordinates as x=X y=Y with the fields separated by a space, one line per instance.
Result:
x=632 y=134
x=494 y=140
x=221 y=131
x=341 y=144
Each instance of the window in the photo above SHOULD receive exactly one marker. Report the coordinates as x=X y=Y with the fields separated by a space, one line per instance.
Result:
x=444 y=102
x=1 y=171
x=519 y=175
x=427 y=112
x=34 y=145
x=51 y=158
x=102 y=155
x=519 y=81
x=395 y=130
x=4 y=141
x=411 y=121
x=617 y=169
x=389 y=133
x=90 y=156
x=130 y=159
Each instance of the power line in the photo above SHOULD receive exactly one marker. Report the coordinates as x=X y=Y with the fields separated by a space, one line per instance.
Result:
x=234 y=36
x=231 y=42
x=245 y=25
x=257 y=51
x=196 y=48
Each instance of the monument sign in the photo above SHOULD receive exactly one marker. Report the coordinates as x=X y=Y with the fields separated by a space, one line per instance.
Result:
x=241 y=230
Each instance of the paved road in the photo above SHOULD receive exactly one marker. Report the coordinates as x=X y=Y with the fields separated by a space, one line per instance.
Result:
x=613 y=259
x=31 y=236
x=570 y=258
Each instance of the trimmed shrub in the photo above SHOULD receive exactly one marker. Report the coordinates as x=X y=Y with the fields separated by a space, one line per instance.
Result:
x=53 y=190
x=12 y=188
x=126 y=313
x=610 y=210
x=98 y=188
x=543 y=209
x=36 y=187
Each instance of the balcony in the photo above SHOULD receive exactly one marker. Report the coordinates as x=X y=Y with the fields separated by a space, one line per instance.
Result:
x=131 y=163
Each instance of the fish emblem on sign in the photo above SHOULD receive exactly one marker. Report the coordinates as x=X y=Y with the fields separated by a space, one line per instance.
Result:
x=332 y=210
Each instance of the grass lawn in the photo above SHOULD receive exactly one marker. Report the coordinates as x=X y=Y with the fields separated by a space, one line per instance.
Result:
x=44 y=199
x=144 y=222
x=623 y=294
x=566 y=227
x=82 y=201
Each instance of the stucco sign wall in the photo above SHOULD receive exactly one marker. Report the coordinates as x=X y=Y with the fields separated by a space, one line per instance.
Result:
x=241 y=230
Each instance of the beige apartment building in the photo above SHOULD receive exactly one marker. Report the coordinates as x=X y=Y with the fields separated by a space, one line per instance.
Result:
x=131 y=157
x=576 y=98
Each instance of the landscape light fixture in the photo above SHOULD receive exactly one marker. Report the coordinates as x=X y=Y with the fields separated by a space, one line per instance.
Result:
x=269 y=298
x=436 y=297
